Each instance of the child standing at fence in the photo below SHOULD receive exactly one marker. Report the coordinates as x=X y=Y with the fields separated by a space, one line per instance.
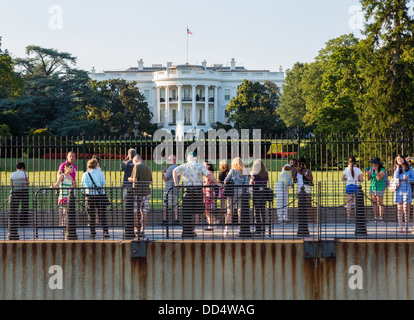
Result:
x=64 y=183
x=353 y=177
x=209 y=197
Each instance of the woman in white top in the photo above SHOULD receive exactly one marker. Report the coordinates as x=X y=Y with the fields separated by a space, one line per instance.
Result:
x=286 y=179
x=353 y=177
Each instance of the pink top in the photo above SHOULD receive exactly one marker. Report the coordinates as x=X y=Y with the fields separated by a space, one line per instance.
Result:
x=73 y=174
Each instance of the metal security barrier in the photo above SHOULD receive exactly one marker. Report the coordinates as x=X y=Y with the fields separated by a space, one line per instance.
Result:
x=206 y=213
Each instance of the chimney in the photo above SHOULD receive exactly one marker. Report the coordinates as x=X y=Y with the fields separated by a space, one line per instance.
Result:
x=140 y=65
x=280 y=69
x=93 y=70
x=232 y=64
x=204 y=64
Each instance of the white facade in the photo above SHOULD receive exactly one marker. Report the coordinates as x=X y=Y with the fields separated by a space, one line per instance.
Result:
x=187 y=97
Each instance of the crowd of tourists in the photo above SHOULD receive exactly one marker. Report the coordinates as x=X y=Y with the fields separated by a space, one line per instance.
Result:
x=205 y=198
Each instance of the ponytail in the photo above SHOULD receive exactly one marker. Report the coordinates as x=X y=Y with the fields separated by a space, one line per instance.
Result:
x=353 y=162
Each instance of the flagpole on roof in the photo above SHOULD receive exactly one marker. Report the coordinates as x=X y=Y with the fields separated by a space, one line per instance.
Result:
x=187 y=45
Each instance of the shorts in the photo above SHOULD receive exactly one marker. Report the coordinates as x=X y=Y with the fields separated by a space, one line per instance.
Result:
x=378 y=193
x=63 y=202
x=351 y=189
x=143 y=203
x=171 y=197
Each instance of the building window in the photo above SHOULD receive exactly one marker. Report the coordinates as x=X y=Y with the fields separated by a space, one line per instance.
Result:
x=200 y=116
x=147 y=95
x=162 y=116
x=162 y=95
x=174 y=116
x=211 y=115
x=174 y=94
x=187 y=94
x=187 y=114
x=227 y=94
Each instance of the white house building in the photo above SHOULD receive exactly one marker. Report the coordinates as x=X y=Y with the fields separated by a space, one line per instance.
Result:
x=187 y=97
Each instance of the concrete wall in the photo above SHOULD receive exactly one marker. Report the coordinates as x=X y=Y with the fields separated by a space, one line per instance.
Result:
x=197 y=270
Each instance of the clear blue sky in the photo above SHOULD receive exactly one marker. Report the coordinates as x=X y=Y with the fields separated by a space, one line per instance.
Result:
x=113 y=35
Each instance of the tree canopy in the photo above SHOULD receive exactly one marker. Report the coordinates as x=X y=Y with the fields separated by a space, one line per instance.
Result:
x=119 y=108
x=358 y=85
x=255 y=107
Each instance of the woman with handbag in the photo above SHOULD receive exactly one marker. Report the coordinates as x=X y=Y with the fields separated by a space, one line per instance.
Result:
x=377 y=175
x=93 y=182
x=259 y=178
x=403 y=194
x=238 y=176
x=353 y=177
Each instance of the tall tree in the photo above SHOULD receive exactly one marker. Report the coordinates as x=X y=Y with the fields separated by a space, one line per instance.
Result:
x=292 y=109
x=52 y=93
x=331 y=86
x=387 y=61
x=255 y=107
x=11 y=84
x=120 y=108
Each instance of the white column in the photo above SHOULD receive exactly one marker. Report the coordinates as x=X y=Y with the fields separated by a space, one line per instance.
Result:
x=194 y=110
x=179 y=130
x=167 y=106
x=206 y=115
x=158 y=107
x=180 y=104
x=215 y=103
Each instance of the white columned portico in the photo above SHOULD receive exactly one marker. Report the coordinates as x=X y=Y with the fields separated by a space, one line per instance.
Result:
x=167 y=107
x=206 y=113
x=215 y=103
x=194 y=110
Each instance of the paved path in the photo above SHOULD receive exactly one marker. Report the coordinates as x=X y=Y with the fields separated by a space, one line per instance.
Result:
x=289 y=231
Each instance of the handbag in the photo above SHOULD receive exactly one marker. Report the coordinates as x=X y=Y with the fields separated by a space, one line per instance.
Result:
x=268 y=194
x=394 y=184
x=103 y=196
x=228 y=189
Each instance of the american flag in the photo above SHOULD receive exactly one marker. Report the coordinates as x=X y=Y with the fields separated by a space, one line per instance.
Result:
x=188 y=31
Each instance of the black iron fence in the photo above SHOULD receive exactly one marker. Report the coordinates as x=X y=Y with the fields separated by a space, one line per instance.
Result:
x=322 y=211
x=326 y=155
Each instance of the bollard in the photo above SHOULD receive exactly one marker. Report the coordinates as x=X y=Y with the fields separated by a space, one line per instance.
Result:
x=303 y=229
x=245 y=215
x=361 y=221
x=13 y=220
x=71 y=217
x=191 y=205
x=129 y=215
